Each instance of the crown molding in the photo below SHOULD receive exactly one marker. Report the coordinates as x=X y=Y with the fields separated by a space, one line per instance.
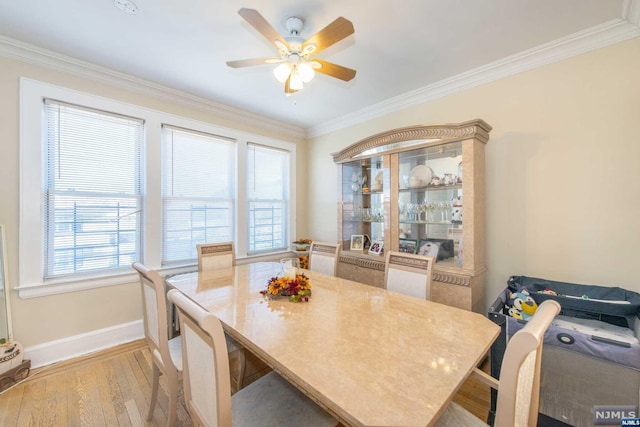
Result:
x=25 y=52
x=596 y=37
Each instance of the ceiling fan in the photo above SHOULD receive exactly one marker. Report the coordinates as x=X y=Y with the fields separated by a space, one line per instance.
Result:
x=295 y=53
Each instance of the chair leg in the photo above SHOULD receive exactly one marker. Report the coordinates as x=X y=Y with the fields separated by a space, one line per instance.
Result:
x=172 y=385
x=239 y=359
x=154 y=391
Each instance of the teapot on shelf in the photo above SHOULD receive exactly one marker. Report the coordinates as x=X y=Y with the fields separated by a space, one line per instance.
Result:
x=449 y=179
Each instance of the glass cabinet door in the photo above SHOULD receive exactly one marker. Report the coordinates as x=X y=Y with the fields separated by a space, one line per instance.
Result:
x=362 y=202
x=430 y=202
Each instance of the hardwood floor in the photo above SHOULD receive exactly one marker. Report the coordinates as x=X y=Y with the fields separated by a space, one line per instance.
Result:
x=112 y=388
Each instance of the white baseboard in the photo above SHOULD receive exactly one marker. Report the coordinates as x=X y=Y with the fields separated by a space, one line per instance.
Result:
x=79 y=345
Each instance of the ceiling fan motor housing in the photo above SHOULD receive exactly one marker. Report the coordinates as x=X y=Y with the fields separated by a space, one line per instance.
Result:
x=294 y=28
x=294 y=25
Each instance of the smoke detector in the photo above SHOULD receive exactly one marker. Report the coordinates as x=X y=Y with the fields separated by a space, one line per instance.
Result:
x=127 y=6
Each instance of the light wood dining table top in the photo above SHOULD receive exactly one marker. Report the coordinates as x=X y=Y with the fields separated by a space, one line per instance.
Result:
x=369 y=356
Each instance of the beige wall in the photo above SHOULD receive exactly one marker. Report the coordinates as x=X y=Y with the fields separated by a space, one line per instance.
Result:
x=563 y=174
x=40 y=320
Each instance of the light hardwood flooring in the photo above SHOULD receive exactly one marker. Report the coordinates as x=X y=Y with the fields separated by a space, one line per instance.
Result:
x=112 y=388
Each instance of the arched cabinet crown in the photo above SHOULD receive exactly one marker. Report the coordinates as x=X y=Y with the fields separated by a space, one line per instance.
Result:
x=417 y=189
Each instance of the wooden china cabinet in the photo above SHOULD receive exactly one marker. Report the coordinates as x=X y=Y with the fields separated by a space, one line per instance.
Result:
x=417 y=189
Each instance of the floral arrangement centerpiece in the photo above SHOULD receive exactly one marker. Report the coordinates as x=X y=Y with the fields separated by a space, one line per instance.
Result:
x=289 y=283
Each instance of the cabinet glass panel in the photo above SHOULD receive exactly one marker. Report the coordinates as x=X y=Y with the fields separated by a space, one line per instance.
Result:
x=362 y=197
x=430 y=201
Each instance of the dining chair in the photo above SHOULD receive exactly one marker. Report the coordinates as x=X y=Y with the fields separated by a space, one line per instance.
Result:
x=323 y=257
x=409 y=274
x=215 y=255
x=268 y=401
x=166 y=353
x=519 y=384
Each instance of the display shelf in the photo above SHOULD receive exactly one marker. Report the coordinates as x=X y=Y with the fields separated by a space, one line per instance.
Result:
x=430 y=181
x=430 y=188
x=300 y=248
x=448 y=223
x=300 y=253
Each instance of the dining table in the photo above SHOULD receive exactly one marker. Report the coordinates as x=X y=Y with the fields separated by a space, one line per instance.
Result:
x=369 y=356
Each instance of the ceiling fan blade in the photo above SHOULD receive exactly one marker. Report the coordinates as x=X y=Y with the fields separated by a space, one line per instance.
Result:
x=251 y=62
x=332 y=33
x=258 y=22
x=335 y=70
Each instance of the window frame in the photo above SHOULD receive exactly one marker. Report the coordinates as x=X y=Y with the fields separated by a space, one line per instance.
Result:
x=231 y=200
x=54 y=140
x=284 y=200
x=31 y=173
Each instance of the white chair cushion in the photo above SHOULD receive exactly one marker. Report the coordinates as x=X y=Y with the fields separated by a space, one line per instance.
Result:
x=175 y=349
x=408 y=283
x=323 y=264
x=217 y=262
x=273 y=401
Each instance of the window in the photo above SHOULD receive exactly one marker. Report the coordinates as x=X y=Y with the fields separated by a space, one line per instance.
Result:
x=197 y=192
x=104 y=183
x=268 y=196
x=92 y=190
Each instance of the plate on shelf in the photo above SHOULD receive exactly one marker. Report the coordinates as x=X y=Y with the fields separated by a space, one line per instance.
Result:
x=422 y=176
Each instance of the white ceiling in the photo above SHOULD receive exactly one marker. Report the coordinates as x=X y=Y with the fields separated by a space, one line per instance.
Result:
x=399 y=48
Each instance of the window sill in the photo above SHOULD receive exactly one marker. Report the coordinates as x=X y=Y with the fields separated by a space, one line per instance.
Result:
x=62 y=286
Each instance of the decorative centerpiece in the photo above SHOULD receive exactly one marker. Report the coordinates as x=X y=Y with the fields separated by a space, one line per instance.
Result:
x=289 y=282
x=301 y=248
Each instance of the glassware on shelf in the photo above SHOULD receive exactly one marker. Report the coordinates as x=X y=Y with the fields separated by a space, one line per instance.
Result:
x=431 y=210
x=445 y=209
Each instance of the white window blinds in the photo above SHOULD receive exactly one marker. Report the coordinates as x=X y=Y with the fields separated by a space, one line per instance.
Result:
x=198 y=171
x=268 y=198
x=92 y=190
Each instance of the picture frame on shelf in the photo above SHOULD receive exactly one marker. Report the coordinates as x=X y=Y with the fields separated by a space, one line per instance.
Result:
x=409 y=246
x=376 y=247
x=357 y=242
x=429 y=248
x=445 y=250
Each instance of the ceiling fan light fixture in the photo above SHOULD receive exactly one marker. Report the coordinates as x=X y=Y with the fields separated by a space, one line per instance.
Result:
x=309 y=49
x=306 y=72
x=295 y=83
x=282 y=71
